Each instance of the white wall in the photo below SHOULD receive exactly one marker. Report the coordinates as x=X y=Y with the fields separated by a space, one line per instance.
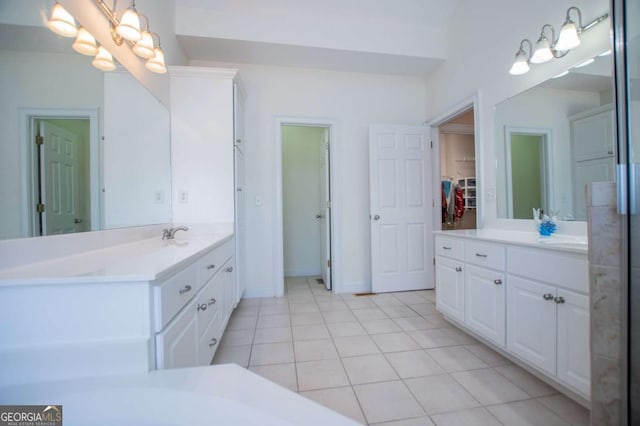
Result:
x=457 y=153
x=484 y=37
x=301 y=178
x=30 y=80
x=544 y=109
x=355 y=100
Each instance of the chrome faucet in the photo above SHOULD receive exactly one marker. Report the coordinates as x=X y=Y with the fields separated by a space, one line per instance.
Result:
x=170 y=233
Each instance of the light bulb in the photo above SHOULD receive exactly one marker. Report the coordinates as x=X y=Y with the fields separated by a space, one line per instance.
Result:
x=103 y=60
x=61 y=22
x=85 y=43
x=129 y=27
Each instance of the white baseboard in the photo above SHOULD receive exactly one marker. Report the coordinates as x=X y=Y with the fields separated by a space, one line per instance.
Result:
x=354 y=287
x=302 y=272
x=252 y=293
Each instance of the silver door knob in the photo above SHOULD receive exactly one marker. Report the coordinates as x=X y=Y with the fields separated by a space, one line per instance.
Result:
x=458 y=269
x=376 y=217
x=77 y=220
x=559 y=300
x=319 y=216
x=497 y=281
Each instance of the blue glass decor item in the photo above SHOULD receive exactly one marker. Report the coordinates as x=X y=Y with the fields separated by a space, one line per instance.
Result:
x=546 y=225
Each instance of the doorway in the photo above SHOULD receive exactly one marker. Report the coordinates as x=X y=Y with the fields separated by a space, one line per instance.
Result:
x=60 y=178
x=306 y=219
x=458 y=183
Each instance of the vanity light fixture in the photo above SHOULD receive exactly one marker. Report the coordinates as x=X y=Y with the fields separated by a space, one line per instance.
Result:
x=85 y=44
x=548 y=48
x=103 y=60
x=61 y=22
x=129 y=26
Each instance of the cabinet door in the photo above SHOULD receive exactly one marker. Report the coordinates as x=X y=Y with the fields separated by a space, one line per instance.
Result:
x=531 y=319
x=484 y=303
x=592 y=136
x=239 y=223
x=573 y=340
x=176 y=346
x=450 y=288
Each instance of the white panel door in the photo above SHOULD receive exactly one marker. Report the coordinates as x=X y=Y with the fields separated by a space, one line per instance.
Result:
x=325 y=213
x=585 y=172
x=593 y=136
x=531 y=315
x=401 y=212
x=59 y=180
x=450 y=288
x=573 y=340
x=485 y=303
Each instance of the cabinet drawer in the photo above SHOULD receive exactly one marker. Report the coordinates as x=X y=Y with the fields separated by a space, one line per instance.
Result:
x=209 y=341
x=485 y=254
x=211 y=262
x=208 y=303
x=171 y=295
x=175 y=346
x=450 y=247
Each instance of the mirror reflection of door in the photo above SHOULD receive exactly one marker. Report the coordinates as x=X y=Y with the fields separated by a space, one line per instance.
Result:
x=61 y=177
x=527 y=172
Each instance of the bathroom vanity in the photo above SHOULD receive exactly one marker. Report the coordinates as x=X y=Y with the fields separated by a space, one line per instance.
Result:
x=126 y=308
x=526 y=296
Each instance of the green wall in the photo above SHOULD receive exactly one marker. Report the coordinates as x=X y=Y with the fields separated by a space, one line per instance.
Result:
x=526 y=174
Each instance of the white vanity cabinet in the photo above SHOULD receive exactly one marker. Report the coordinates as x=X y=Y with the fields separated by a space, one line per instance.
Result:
x=530 y=302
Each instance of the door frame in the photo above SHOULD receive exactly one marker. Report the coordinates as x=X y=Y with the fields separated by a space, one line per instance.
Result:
x=546 y=159
x=466 y=104
x=28 y=191
x=336 y=196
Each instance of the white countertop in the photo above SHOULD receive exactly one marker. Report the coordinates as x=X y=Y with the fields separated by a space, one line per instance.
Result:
x=560 y=242
x=144 y=260
x=214 y=395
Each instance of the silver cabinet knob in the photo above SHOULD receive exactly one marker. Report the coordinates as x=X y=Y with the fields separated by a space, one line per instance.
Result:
x=186 y=289
x=497 y=281
x=238 y=140
x=77 y=220
x=547 y=296
x=239 y=189
x=211 y=266
x=559 y=300
x=376 y=217
x=610 y=152
x=202 y=307
x=319 y=216
x=230 y=269
x=458 y=269
x=212 y=301
x=213 y=342
x=481 y=255
x=446 y=248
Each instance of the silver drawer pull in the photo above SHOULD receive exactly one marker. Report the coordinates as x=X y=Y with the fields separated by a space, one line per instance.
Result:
x=211 y=266
x=497 y=281
x=559 y=300
x=458 y=269
x=547 y=296
x=481 y=255
x=230 y=269
x=212 y=301
x=446 y=248
x=202 y=307
x=213 y=342
x=186 y=289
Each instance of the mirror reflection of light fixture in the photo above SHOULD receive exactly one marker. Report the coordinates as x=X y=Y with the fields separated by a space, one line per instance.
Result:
x=156 y=63
x=85 y=44
x=103 y=60
x=144 y=46
x=61 y=22
x=521 y=63
x=548 y=48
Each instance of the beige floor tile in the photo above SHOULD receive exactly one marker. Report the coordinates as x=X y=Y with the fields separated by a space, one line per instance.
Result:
x=488 y=356
x=313 y=350
x=322 y=374
x=233 y=355
x=300 y=297
x=331 y=317
x=246 y=311
x=333 y=305
x=456 y=358
x=369 y=314
x=398 y=311
x=413 y=323
x=430 y=295
x=250 y=302
x=414 y=364
x=427 y=308
x=301 y=308
x=566 y=409
x=387 y=300
x=525 y=381
x=387 y=401
x=410 y=297
x=274 y=301
x=282 y=374
x=418 y=421
x=526 y=413
x=489 y=387
x=380 y=326
x=272 y=353
x=237 y=337
x=241 y=323
x=355 y=345
x=432 y=338
x=395 y=342
x=274 y=310
x=273 y=321
x=470 y=417
x=437 y=320
x=360 y=303
x=368 y=369
x=439 y=394
x=343 y=400
x=460 y=337
x=273 y=335
x=310 y=332
x=307 y=318
x=344 y=329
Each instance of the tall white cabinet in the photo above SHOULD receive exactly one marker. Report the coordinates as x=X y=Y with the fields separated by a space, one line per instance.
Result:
x=207 y=162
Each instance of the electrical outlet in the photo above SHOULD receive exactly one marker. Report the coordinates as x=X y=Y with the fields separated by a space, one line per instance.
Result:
x=183 y=196
x=258 y=201
x=158 y=197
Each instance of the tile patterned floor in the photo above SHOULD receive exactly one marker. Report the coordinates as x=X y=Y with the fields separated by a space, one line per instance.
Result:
x=387 y=359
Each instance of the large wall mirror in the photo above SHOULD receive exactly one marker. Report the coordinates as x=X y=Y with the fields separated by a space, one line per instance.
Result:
x=81 y=150
x=554 y=139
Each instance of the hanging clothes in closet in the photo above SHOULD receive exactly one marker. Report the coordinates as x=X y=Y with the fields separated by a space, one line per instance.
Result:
x=447 y=200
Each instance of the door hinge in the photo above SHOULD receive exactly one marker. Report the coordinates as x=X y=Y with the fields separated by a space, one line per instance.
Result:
x=40 y=208
x=431 y=142
x=39 y=140
x=329 y=263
